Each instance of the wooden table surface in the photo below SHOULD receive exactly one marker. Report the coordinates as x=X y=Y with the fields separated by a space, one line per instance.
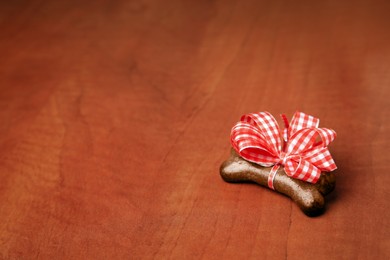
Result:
x=116 y=115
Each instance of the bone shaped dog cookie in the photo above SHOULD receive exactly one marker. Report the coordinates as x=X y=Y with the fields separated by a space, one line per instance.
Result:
x=309 y=197
x=298 y=162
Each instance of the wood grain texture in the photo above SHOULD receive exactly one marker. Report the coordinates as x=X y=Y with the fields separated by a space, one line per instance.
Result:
x=115 y=117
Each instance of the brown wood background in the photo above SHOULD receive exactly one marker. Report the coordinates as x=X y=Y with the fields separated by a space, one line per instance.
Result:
x=115 y=117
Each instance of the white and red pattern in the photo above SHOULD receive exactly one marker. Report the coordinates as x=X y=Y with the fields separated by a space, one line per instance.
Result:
x=256 y=138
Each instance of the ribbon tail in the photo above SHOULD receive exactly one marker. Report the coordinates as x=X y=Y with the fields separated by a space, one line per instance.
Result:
x=271 y=176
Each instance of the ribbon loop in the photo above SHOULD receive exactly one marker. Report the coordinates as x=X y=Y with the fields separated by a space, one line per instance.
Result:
x=256 y=138
x=268 y=127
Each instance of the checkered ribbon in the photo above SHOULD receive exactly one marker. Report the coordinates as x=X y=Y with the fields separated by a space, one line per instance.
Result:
x=256 y=138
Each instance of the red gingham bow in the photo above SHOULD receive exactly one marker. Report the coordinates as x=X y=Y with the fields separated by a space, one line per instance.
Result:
x=256 y=138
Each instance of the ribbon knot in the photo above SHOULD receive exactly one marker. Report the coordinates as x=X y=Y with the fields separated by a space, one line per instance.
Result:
x=283 y=158
x=256 y=138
